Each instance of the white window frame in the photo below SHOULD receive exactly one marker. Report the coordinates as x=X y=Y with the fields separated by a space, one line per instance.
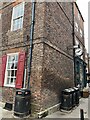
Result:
x=82 y=50
x=0 y=16
x=78 y=15
x=13 y=12
x=5 y=80
x=81 y=33
x=77 y=42
x=76 y=26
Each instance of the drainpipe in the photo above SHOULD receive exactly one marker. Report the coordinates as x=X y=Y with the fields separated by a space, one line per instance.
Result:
x=31 y=41
x=73 y=40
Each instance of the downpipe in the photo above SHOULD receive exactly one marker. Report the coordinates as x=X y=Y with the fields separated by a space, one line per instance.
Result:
x=31 y=42
x=20 y=103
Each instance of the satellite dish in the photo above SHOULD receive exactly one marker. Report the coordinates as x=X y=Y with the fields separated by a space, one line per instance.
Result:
x=78 y=52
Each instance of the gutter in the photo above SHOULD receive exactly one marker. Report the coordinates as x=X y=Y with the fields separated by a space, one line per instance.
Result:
x=31 y=42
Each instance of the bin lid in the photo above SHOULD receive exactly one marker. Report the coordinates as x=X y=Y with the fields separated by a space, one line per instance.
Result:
x=66 y=90
x=71 y=89
x=76 y=88
x=23 y=90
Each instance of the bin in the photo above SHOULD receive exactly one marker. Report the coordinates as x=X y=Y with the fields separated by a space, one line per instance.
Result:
x=77 y=94
x=66 y=100
x=22 y=103
x=73 y=96
x=86 y=92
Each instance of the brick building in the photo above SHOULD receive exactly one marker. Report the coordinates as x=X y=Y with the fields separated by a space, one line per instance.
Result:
x=52 y=67
x=88 y=67
x=89 y=63
x=80 y=64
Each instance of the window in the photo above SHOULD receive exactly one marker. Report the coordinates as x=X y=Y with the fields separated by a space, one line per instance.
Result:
x=80 y=32
x=78 y=15
x=82 y=50
x=0 y=15
x=76 y=41
x=17 y=17
x=76 y=26
x=11 y=70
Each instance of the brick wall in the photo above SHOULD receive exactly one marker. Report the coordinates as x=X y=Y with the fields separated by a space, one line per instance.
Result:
x=52 y=62
x=57 y=61
x=80 y=23
x=13 y=41
x=58 y=28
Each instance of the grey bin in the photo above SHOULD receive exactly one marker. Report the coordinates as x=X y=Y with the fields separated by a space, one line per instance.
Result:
x=22 y=103
x=77 y=94
x=66 y=100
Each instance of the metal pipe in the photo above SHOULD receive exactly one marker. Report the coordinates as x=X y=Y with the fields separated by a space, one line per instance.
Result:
x=31 y=41
x=73 y=40
x=24 y=85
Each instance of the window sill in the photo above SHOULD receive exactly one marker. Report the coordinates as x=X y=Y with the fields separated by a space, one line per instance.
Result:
x=11 y=86
x=15 y=36
x=12 y=32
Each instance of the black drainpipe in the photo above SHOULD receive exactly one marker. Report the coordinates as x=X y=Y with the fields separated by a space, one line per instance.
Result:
x=73 y=42
x=31 y=42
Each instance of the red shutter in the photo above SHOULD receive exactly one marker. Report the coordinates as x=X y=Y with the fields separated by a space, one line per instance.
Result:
x=20 y=70
x=3 y=68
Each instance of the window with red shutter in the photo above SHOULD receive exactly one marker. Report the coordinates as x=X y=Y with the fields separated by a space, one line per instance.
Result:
x=3 y=68
x=20 y=70
x=11 y=70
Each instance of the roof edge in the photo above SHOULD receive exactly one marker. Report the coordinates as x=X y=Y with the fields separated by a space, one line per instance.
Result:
x=79 y=11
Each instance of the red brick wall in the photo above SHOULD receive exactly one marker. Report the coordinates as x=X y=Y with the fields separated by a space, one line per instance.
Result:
x=57 y=61
x=52 y=63
x=80 y=24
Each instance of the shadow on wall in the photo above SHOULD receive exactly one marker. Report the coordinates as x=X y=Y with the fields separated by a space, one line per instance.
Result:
x=52 y=85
